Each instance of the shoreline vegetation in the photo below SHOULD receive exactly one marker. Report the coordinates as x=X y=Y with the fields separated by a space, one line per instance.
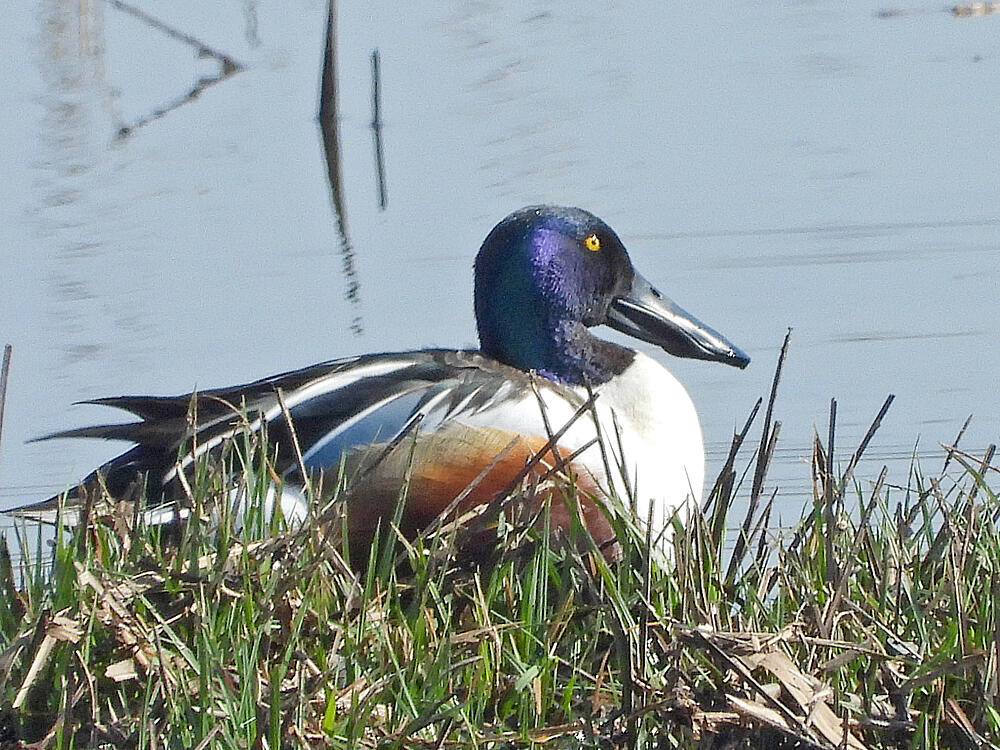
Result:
x=872 y=623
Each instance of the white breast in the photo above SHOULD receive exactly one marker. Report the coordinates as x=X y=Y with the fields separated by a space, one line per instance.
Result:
x=652 y=437
x=661 y=441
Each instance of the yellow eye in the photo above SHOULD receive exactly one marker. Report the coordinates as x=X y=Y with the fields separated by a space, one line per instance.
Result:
x=592 y=242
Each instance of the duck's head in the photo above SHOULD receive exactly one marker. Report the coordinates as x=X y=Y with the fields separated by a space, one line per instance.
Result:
x=546 y=274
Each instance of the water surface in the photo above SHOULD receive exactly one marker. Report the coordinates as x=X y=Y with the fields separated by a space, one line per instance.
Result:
x=802 y=164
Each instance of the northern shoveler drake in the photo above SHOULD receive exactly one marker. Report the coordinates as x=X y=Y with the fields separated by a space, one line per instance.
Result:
x=544 y=276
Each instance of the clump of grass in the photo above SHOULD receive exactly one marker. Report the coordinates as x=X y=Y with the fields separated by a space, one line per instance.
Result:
x=873 y=628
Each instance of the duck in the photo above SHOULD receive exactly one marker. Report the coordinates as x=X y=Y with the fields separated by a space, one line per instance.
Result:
x=541 y=396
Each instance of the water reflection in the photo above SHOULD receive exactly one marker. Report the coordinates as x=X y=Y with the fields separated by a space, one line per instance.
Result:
x=377 y=130
x=73 y=140
x=330 y=127
x=251 y=24
x=227 y=66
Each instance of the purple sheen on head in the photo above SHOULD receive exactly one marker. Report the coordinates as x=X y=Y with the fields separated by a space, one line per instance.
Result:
x=558 y=274
x=537 y=289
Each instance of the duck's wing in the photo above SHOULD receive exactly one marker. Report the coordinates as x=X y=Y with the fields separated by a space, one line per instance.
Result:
x=328 y=411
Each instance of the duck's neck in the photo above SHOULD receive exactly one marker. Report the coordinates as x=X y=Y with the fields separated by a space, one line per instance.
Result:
x=564 y=351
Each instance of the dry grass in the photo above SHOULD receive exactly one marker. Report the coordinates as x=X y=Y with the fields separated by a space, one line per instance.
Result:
x=874 y=623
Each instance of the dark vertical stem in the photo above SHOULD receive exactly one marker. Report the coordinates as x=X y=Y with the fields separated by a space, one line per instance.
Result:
x=721 y=498
x=856 y=456
x=984 y=464
x=764 y=454
x=4 y=374
x=829 y=494
x=377 y=128
x=954 y=445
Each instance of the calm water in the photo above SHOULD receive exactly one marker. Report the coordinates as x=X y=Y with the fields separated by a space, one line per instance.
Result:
x=800 y=164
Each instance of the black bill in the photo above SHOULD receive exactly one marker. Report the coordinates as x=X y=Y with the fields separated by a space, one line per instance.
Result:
x=645 y=314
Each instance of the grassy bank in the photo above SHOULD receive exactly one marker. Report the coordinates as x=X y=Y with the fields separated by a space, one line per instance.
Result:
x=874 y=623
